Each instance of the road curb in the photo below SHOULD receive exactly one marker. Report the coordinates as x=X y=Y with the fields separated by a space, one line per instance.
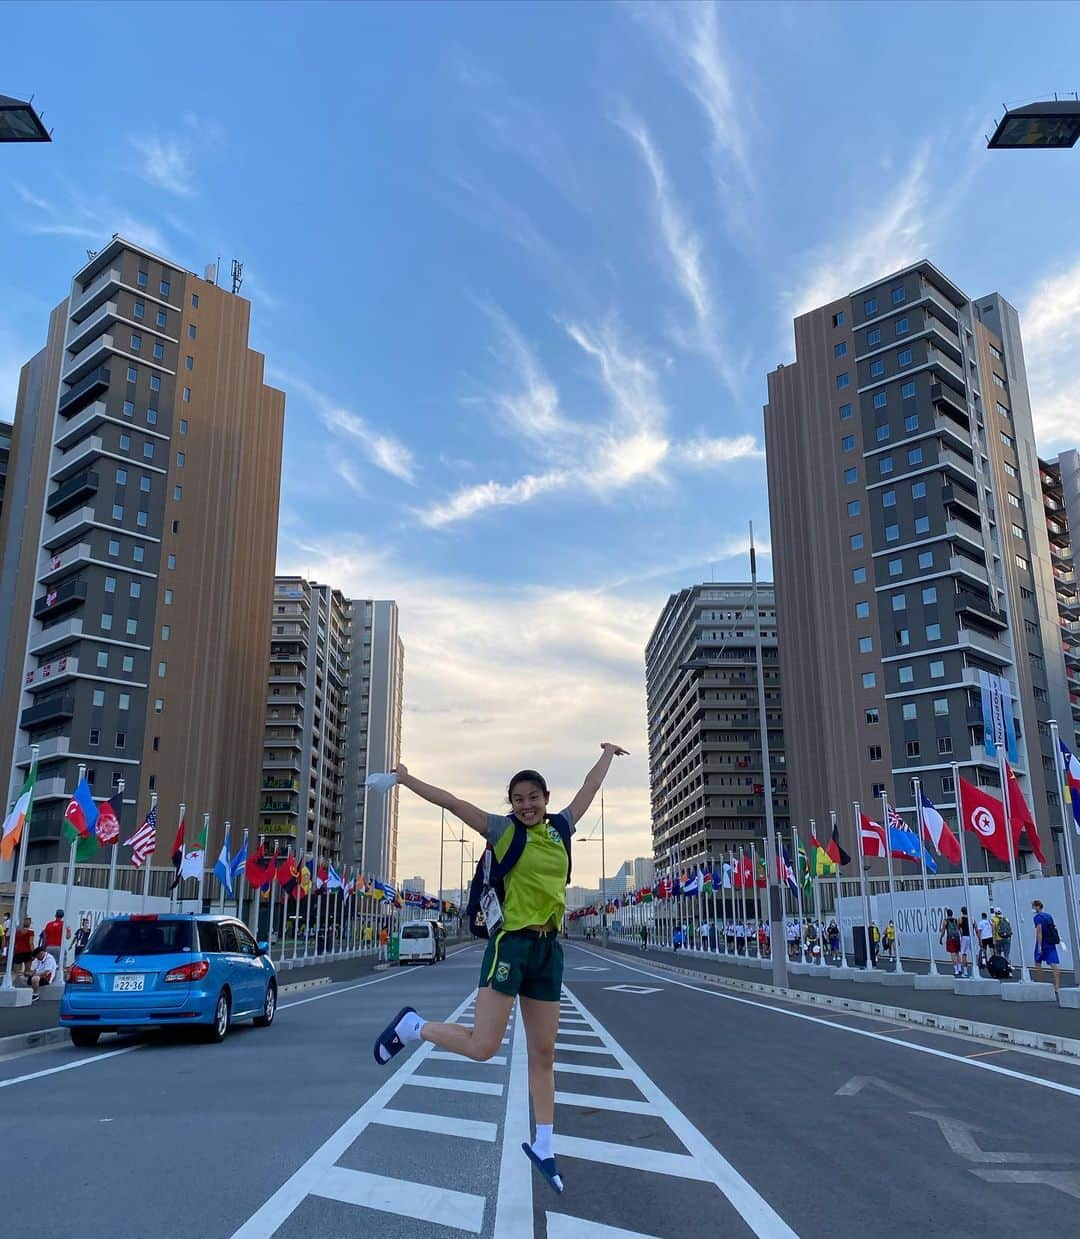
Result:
x=999 y=1034
x=28 y=1040
x=294 y=987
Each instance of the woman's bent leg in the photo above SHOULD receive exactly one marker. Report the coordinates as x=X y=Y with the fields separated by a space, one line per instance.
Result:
x=489 y=1027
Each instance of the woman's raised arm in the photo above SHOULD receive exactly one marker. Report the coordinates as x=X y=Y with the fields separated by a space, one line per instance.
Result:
x=468 y=813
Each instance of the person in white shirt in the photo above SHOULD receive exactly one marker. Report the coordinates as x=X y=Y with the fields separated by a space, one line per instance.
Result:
x=704 y=935
x=985 y=933
x=42 y=971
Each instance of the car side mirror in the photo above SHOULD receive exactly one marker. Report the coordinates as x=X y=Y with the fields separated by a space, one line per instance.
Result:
x=264 y=948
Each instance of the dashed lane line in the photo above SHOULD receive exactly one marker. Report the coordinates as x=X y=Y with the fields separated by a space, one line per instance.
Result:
x=514 y=1201
x=563 y=1226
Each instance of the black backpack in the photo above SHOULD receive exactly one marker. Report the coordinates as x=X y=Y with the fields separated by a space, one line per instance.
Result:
x=490 y=872
x=1050 y=935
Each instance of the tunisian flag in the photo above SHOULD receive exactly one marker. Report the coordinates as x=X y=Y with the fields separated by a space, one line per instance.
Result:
x=984 y=816
x=1020 y=815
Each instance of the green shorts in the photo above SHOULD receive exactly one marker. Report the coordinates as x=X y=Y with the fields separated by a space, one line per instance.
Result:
x=525 y=962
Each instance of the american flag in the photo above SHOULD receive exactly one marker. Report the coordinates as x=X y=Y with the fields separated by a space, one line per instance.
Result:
x=144 y=840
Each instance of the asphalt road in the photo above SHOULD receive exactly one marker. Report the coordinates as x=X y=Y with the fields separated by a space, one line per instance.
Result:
x=682 y=1111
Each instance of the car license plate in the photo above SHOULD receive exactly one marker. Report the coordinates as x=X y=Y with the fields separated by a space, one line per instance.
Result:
x=128 y=981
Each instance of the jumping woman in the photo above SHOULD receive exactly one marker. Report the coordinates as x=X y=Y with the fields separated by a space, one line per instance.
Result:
x=523 y=958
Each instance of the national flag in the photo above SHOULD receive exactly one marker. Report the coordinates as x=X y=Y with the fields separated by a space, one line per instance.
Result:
x=692 y=885
x=18 y=819
x=223 y=869
x=937 y=833
x=1071 y=780
x=872 y=835
x=288 y=876
x=984 y=816
x=144 y=840
x=322 y=876
x=645 y=895
x=904 y=845
x=239 y=861
x=108 y=822
x=784 y=870
x=802 y=862
x=194 y=858
x=834 y=851
x=304 y=879
x=1021 y=816
x=821 y=864
x=259 y=869
x=177 y=854
x=707 y=883
x=762 y=874
x=81 y=814
x=721 y=877
x=333 y=880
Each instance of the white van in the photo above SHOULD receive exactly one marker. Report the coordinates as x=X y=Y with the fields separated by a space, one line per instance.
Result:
x=417 y=943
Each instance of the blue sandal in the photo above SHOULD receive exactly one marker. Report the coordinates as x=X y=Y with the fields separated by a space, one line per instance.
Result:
x=547 y=1168
x=388 y=1039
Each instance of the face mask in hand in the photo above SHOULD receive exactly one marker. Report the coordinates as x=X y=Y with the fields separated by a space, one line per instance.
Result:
x=380 y=782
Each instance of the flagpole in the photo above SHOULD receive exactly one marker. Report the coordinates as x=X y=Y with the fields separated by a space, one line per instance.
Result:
x=816 y=888
x=798 y=889
x=112 y=855
x=174 y=890
x=963 y=844
x=1025 y=975
x=20 y=869
x=917 y=785
x=899 y=965
x=839 y=920
x=148 y=863
x=205 y=858
x=69 y=887
x=868 y=966
x=226 y=844
x=1070 y=862
x=296 y=902
x=753 y=879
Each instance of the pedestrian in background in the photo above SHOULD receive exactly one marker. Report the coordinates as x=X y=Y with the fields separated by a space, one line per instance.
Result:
x=965 y=943
x=1047 y=940
x=1002 y=932
x=950 y=936
x=24 y=946
x=984 y=931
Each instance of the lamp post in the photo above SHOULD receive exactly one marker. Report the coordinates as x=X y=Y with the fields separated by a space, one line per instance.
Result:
x=1050 y=125
x=19 y=122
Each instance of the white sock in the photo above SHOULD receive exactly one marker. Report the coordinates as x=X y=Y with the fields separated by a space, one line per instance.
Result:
x=541 y=1146
x=409 y=1026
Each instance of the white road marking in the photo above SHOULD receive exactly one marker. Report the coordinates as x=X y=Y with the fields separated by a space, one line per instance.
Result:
x=562 y=1226
x=961 y=1139
x=416 y=1200
x=576 y=1032
x=498 y=1060
x=977 y=1064
x=514 y=1202
x=581 y=1049
x=633 y=989
x=579 y=1069
x=440 y=1124
x=453 y=1085
x=588 y=1102
x=1063 y=1180
x=79 y=1062
x=702 y=1160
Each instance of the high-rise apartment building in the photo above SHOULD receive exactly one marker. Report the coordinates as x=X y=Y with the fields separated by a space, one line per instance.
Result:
x=303 y=769
x=376 y=695
x=910 y=552
x=705 y=770
x=137 y=548
x=1061 y=501
x=5 y=453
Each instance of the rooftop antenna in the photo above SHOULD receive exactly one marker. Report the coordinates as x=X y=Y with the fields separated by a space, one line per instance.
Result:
x=237 y=275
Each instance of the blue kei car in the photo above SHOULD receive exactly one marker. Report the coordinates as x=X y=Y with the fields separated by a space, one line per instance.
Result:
x=168 y=970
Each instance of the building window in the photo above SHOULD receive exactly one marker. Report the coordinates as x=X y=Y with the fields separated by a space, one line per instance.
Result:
x=161 y=670
x=888 y=499
x=176 y=526
x=194 y=301
x=177 y=492
x=171 y=562
x=913 y=748
x=151 y=417
x=144 y=484
x=947 y=785
x=1003 y=411
x=139 y=309
x=168 y=597
x=903 y=638
x=1006 y=441
x=869 y=679
x=136 y=589
x=121 y=477
x=843 y=380
x=125 y=443
x=127 y=663
x=941 y=706
x=854 y=507
x=159 y=350
x=911 y=422
x=914 y=456
x=899 y=602
x=845 y=412
x=187 y=399
x=998 y=380
x=95 y=736
x=856 y=541
x=858 y=576
x=106 y=623
x=1010 y=469
x=131 y=627
x=141 y=279
x=866 y=645
x=885 y=465
x=847 y=443
x=918 y=490
x=862 y=610
x=121 y=739
x=165 y=632
x=881 y=399
x=892 y=533
x=944 y=745
x=98 y=699
x=114 y=546
x=877 y=369
x=165 y=286
x=157 y=744
x=1017 y=531
x=869 y=306
x=1015 y=501
x=910 y=711
x=142 y=519
x=148 y=451
x=1022 y=563
x=933 y=632
x=162 y=318
x=840 y=350
x=896 y=567
x=873 y=337
x=872 y=716
x=132 y=374
x=898 y=296
x=159 y=704
x=926 y=559
x=929 y=595
x=129 y=408
x=903 y=358
x=155 y=382
x=191 y=331
x=907 y=391
x=937 y=669
x=136 y=342
x=851 y=475
x=906 y=674
x=875 y=752
x=995 y=352
x=922 y=524
x=110 y=585
x=189 y=362
x=103 y=660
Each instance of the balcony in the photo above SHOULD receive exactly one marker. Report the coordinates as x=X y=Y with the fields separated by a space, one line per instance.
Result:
x=281 y=763
x=84 y=392
x=964 y=532
x=980 y=757
x=288 y=677
x=978 y=608
x=69 y=526
x=96 y=292
x=279 y=806
x=961 y=497
x=984 y=646
x=291 y=699
x=1058 y=533
x=63 y=597
x=37 y=679
x=75 y=490
x=974 y=570
x=958 y=468
x=948 y=370
x=80 y=333
x=282 y=742
x=50 y=789
x=46 y=713
x=89 y=358
x=970 y=676
x=50 y=566
x=77 y=457
x=57 y=747
x=89 y=418
x=55 y=636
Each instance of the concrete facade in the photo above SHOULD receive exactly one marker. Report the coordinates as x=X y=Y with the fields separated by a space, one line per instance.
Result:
x=1061 y=504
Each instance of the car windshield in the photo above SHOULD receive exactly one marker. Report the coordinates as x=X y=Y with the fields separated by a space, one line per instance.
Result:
x=135 y=936
x=415 y=931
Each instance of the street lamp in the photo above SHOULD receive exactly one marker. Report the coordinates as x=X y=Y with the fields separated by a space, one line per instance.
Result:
x=1051 y=125
x=20 y=123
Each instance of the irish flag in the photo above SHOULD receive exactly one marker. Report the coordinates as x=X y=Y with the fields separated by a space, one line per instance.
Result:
x=19 y=817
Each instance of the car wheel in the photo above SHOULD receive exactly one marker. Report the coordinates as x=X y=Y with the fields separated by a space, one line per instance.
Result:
x=222 y=1016
x=85 y=1038
x=269 y=1007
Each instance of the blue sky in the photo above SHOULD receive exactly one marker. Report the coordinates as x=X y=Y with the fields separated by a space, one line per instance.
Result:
x=521 y=270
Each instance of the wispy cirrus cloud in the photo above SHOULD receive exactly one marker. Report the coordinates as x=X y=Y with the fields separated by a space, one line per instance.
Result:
x=164 y=163
x=92 y=221
x=1050 y=321
x=384 y=451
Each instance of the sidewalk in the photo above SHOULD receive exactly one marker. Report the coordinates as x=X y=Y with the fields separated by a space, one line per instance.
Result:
x=1036 y=1017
